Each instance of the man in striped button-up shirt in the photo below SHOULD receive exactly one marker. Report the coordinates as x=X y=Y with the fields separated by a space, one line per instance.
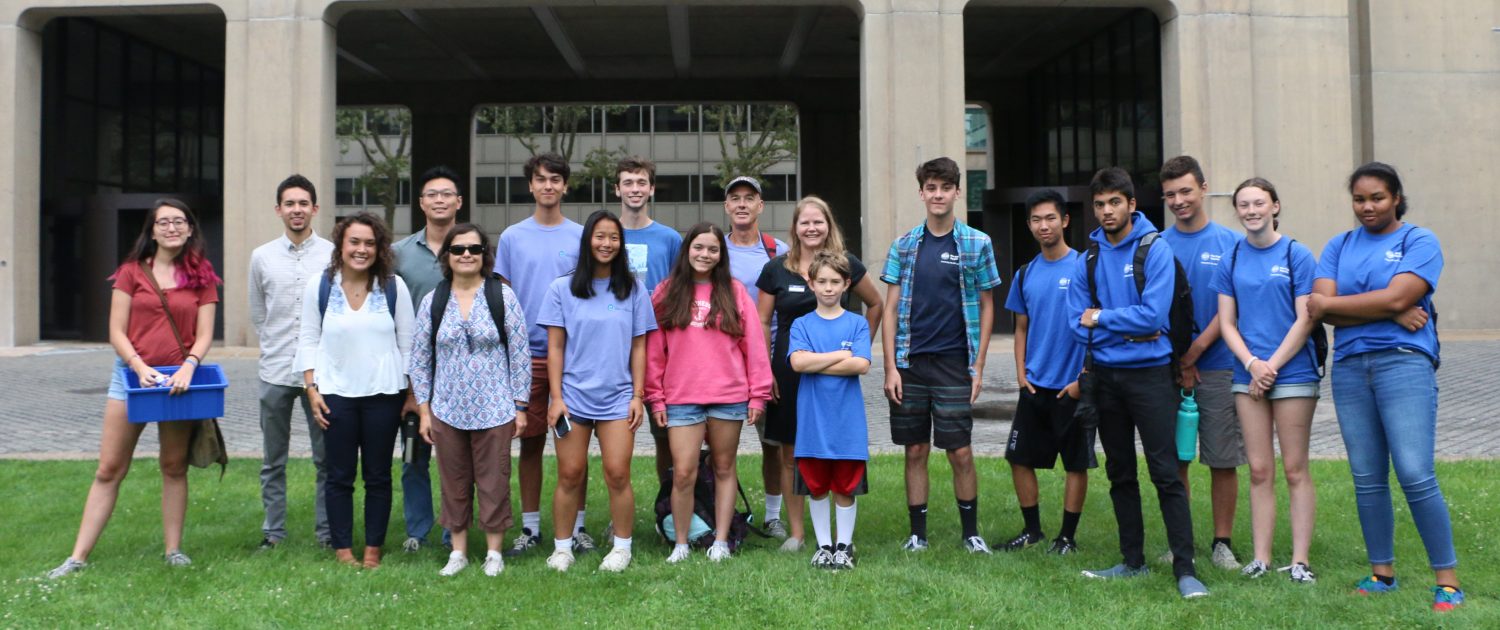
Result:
x=279 y=273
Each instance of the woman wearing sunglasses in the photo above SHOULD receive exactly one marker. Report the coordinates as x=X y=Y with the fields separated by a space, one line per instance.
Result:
x=471 y=374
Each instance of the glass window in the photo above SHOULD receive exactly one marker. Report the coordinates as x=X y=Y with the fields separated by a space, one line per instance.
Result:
x=485 y=193
x=343 y=195
x=626 y=120
x=675 y=188
x=976 y=129
x=520 y=193
x=674 y=118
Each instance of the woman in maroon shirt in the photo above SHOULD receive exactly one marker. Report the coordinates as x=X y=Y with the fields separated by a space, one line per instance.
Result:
x=169 y=251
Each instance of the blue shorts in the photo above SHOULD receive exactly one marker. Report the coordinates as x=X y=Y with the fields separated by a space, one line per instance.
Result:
x=116 y=382
x=689 y=415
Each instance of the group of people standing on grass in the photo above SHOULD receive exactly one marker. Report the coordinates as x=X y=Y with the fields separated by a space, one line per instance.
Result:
x=595 y=329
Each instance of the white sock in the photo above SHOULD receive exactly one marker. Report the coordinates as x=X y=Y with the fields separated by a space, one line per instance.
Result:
x=846 y=523
x=773 y=507
x=562 y=544
x=622 y=543
x=531 y=522
x=578 y=522
x=820 y=518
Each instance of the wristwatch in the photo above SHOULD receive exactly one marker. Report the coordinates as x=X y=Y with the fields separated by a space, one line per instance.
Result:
x=1096 y=317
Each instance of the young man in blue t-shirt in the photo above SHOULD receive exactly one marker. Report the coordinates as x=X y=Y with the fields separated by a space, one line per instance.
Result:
x=1208 y=366
x=830 y=347
x=1048 y=360
x=1134 y=389
x=531 y=254
x=936 y=335
x=652 y=248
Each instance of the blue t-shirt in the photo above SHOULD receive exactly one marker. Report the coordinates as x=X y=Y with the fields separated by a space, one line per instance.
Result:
x=531 y=256
x=937 y=308
x=1053 y=355
x=746 y=263
x=596 y=380
x=652 y=250
x=831 y=409
x=1262 y=289
x=1361 y=262
x=1201 y=254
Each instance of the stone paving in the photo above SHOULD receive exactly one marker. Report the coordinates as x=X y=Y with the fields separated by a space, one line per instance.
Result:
x=55 y=399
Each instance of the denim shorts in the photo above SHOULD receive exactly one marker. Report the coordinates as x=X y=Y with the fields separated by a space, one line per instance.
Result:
x=116 y=382
x=1278 y=392
x=689 y=415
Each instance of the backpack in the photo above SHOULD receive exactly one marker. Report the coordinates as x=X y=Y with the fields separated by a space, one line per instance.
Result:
x=703 y=508
x=769 y=243
x=325 y=287
x=494 y=294
x=1181 y=327
x=1319 y=335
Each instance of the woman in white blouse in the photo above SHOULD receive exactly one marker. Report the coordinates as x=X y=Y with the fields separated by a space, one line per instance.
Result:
x=352 y=352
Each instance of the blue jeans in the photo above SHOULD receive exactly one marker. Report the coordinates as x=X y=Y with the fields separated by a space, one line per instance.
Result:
x=1387 y=409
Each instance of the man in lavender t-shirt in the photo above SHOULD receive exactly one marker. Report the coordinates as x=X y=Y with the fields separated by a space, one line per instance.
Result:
x=531 y=254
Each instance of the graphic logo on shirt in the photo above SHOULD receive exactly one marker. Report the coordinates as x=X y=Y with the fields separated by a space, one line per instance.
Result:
x=1062 y=283
x=948 y=259
x=562 y=253
x=1280 y=271
x=636 y=254
x=1210 y=259
x=700 y=313
x=1130 y=270
x=610 y=307
x=1393 y=256
x=846 y=345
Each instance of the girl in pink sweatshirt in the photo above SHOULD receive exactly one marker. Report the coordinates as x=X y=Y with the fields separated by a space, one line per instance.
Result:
x=707 y=374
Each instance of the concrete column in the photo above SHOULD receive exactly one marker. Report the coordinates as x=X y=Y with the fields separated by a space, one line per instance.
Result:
x=279 y=70
x=20 y=181
x=911 y=109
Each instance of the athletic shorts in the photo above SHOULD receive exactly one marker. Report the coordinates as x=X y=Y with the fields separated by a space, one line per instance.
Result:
x=536 y=407
x=1220 y=443
x=1044 y=429
x=1291 y=390
x=817 y=477
x=689 y=415
x=935 y=404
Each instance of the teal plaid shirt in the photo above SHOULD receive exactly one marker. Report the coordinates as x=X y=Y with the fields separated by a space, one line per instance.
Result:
x=976 y=259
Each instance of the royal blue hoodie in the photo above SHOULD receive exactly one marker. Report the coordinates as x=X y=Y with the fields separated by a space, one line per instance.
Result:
x=1126 y=312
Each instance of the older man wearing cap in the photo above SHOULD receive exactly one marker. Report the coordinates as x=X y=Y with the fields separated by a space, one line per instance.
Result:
x=749 y=251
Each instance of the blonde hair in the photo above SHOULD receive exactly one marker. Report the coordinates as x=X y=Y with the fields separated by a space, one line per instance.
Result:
x=833 y=243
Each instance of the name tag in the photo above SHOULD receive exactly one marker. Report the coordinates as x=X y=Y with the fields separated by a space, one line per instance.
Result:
x=796 y=288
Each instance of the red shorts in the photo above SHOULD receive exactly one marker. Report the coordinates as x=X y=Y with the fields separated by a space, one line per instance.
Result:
x=817 y=477
x=536 y=407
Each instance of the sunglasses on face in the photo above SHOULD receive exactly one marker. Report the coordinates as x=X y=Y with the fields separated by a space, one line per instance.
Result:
x=459 y=250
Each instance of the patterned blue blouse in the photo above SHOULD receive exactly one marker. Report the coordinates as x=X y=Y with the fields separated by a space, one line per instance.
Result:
x=477 y=382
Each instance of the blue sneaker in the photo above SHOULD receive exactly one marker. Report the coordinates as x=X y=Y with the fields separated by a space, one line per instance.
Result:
x=1446 y=598
x=1191 y=588
x=1373 y=586
x=1117 y=571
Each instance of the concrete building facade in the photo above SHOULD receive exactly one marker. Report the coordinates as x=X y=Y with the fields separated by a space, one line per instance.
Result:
x=1297 y=91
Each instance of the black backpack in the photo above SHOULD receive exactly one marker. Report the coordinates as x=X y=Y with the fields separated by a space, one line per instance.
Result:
x=703 y=507
x=1181 y=327
x=1319 y=335
x=494 y=294
x=325 y=287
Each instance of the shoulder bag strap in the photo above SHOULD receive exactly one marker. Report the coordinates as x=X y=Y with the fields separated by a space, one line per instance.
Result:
x=151 y=278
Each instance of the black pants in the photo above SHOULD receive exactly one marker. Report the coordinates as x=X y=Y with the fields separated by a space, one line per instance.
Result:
x=364 y=426
x=1144 y=400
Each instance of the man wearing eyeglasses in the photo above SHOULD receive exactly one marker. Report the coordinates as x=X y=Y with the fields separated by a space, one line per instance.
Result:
x=417 y=264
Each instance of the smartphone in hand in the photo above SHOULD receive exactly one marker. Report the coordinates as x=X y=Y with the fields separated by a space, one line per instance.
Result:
x=562 y=427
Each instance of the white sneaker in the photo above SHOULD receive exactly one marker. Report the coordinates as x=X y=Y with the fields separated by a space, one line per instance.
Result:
x=792 y=545
x=616 y=560
x=679 y=553
x=456 y=562
x=494 y=563
x=719 y=552
x=68 y=566
x=560 y=560
x=1224 y=558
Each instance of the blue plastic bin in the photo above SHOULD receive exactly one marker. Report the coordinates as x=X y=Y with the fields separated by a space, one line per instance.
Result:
x=204 y=398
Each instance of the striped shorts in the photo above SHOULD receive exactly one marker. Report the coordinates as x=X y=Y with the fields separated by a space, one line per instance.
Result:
x=935 y=406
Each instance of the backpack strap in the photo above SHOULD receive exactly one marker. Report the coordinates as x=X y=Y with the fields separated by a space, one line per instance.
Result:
x=1091 y=262
x=1138 y=263
x=1021 y=283
x=388 y=287
x=494 y=294
x=769 y=243
x=325 y=286
x=439 y=308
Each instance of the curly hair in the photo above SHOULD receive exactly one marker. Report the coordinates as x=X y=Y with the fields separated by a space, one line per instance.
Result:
x=385 y=258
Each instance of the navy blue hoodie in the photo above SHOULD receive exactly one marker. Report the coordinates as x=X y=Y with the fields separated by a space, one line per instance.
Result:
x=1126 y=312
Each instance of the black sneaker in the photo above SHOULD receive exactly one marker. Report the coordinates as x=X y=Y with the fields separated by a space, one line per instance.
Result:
x=1024 y=540
x=843 y=558
x=1062 y=546
x=583 y=542
x=525 y=542
x=266 y=544
x=823 y=558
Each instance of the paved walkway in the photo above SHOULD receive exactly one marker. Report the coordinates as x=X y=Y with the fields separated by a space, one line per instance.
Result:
x=55 y=396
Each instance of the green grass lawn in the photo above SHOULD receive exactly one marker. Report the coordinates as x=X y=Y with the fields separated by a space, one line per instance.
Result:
x=298 y=585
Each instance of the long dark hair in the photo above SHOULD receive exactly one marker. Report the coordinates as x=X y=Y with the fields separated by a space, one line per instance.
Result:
x=674 y=307
x=385 y=259
x=486 y=262
x=621 y=282
x=193 y=271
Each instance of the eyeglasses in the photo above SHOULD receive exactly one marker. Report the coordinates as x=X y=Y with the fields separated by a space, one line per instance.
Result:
x=472 y=250
x=432 y=195
x=171 y=223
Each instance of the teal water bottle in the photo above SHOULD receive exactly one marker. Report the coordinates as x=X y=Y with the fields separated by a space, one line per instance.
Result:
x=1187 y=427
